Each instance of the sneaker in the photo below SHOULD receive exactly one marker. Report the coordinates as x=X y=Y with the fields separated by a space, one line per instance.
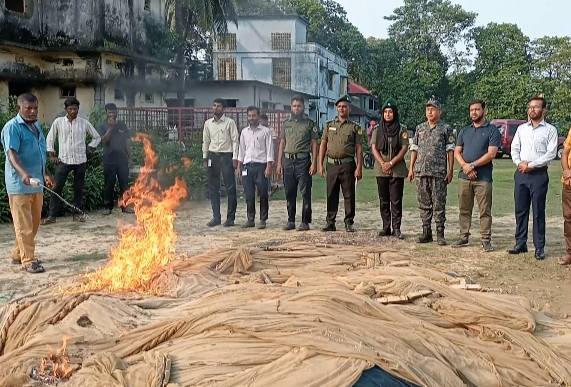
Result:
x=48 y=220
x=462 y=242
x=80 y=218
x=289 y=226
x=303 y=227
x=107 y=211
x=262 y=224
x=329 y=227
x=487 y=246
x=34 y=267
x=228 y=223
x=249 y=224
x=214 y=222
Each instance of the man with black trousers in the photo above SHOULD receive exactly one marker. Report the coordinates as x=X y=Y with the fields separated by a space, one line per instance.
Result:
x=255 y=161
x=298 y=144
x=71 y=133
x=220 y=142
x=115 y=139
x=534 y=145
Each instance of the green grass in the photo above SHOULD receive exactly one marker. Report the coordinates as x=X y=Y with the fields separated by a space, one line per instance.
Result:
x=503 y=201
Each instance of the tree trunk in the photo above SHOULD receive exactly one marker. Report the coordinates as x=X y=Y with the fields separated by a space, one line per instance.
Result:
x=179 y=27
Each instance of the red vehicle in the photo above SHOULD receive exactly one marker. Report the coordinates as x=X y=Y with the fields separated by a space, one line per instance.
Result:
x=507 y=130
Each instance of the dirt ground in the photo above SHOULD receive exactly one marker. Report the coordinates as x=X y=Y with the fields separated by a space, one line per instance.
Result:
x=68 y=249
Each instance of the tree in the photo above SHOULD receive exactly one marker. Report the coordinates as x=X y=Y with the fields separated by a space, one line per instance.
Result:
x=425 y=26
x=194 y=21
x=551 y=57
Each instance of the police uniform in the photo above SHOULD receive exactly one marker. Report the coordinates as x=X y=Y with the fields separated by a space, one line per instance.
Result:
x=298 y=134
x=342 y=138
x=432 y=146
x=390 y=187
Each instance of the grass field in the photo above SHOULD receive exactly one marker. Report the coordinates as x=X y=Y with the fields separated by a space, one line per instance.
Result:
x=503 y=201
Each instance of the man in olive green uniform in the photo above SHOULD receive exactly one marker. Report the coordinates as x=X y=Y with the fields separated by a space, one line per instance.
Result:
x=298 y=144
x=389 y=143
x=432 y=164
x=342 y=145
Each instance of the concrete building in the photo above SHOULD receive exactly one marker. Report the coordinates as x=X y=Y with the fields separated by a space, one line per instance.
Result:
x=275 y=50
x=365 y=105
x=99 y=51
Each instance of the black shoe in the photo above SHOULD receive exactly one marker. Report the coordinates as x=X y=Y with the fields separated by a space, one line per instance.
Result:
x=426 y=236
x=107 y=211
x=539 y=255
x=487 y=246
x=329 y=227
x=213 y=222
x=462 y=242
x=398 y=234
x=289 y=226
x=518 y=249
x=262 y=224
x=228 y=223
x=34 y=267
x=385 y=232
x=48 y=220
x=349 y=228
x=303 y=227
x=249 y=224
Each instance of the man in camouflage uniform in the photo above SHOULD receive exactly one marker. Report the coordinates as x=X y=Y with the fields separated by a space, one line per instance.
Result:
x=342 y=144
x=298 y=143
x=432 y=165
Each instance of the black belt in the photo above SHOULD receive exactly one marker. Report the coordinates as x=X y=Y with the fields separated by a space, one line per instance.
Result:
x=297 y=156
x=344 y=160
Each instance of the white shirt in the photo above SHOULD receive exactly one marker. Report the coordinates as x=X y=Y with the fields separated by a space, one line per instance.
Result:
x=220 y=136
x=256 y=145
x=71 y=137
x=537 y=146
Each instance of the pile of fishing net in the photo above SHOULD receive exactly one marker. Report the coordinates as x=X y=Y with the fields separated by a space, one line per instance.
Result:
x=288 y=315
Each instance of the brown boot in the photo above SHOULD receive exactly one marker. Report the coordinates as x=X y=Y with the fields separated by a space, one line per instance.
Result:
x=426 y=236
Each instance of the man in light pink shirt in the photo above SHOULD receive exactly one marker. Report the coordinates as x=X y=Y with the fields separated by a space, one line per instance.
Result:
x=255 y=161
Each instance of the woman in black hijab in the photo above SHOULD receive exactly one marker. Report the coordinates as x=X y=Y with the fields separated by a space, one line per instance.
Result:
x=390 y=144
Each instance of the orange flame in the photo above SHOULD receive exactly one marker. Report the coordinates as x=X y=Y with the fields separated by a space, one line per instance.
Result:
x=146 y=247
x=55 y=366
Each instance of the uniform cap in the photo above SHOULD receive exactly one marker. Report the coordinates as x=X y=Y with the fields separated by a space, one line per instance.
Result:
x=433 y=101
x=345 y=98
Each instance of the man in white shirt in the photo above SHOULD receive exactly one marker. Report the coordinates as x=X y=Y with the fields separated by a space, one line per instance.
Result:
x=255 y=160
x=220 y=143
x=71 y=133
x=534 y=145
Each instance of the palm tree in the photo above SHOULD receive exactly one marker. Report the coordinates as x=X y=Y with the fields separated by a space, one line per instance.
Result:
x=208 y=16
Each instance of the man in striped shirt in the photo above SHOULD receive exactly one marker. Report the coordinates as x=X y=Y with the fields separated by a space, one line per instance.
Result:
x=71 y=133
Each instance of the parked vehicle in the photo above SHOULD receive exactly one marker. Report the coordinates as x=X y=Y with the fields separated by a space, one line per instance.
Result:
x=507 y=128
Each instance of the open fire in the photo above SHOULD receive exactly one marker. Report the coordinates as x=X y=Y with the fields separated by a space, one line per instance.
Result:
x=147 y=246
x=55 y=367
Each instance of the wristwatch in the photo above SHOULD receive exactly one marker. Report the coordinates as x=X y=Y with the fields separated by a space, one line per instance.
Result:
x=472 y=165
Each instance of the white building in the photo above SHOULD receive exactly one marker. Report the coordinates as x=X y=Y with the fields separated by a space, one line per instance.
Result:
x=274 y=50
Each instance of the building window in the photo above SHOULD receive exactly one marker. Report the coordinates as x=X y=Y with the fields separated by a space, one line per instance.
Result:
x=281 y=72
x=148 y=5
x=281 y=41
x=227 y=42
x=119 y=95
x=371 y=104
x=15 y=5
x=268 y=106
x=330 y=79
x=67 y=91
x=227 y=69
x=149 y=98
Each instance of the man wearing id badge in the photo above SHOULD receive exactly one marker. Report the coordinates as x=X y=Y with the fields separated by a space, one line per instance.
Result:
x=341 y=146
x=220 y=143
x=255 y=160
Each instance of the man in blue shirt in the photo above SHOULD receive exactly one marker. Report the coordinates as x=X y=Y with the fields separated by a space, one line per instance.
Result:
x=476 y=147
x=25 y=148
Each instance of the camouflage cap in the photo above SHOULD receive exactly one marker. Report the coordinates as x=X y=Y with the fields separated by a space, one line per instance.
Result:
x=433 y=101
x=345 y=98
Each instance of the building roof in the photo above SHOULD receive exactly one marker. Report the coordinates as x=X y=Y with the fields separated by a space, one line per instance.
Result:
x=355 y=88
x=235 y=83
x=277 y=15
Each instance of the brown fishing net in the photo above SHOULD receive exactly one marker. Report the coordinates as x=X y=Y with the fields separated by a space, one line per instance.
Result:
x=290 y=315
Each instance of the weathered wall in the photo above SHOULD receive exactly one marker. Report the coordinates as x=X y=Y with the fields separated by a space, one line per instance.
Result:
x=51 y=104
x=81 y=24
